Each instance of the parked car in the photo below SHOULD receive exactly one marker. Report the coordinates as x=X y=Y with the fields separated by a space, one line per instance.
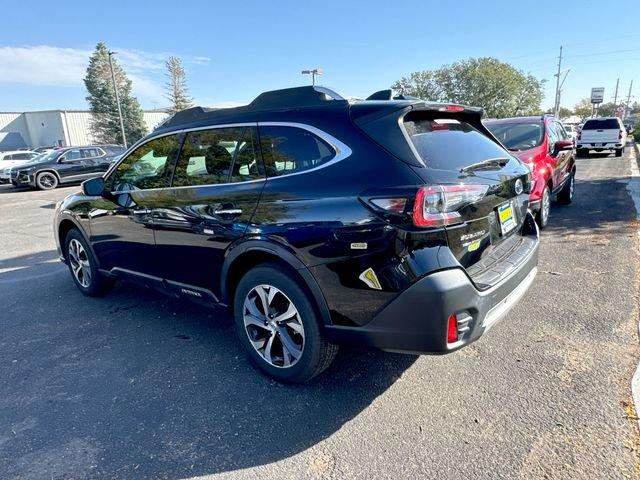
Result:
x=394 y=223
x=44 y=149
x=544 y=146
x=66 y=165
x=599 y=134
x=12 y=158
x=571 y=130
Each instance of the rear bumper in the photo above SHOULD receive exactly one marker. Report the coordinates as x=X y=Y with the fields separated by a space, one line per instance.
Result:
x=600 y=146
x=416 y=320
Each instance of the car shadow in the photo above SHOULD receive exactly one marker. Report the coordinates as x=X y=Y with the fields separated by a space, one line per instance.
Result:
x=138 y=384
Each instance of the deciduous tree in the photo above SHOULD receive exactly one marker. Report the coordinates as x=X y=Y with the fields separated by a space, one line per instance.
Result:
x=498 y=87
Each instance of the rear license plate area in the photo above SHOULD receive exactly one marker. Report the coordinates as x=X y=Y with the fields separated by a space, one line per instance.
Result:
x=506 y=217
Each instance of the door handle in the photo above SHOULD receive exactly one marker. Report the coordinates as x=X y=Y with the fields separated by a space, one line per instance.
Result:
x=228 y=211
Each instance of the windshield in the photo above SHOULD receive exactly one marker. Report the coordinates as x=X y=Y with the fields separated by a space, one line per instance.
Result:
x=45 y=157
x=518 y=136
x=451 y=145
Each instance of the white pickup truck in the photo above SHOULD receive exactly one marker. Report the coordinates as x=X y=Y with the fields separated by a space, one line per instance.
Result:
x=606 y=133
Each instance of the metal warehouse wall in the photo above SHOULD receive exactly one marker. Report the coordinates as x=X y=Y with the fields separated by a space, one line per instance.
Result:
x=45 y=128
x=76 y=125
x=60 y=127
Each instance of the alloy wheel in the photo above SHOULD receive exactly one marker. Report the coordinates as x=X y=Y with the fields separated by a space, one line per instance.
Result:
x=79 y=261
x=571 y=184
x=273 y=325
x=46 y=180
x=546 y=205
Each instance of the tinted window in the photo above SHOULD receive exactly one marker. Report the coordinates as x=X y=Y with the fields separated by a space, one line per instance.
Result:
x=90 y=152
x=553 y=137
x=517 y=136
x=289 y=150
x=451 y=145
x=148 y=166
x=206 y=157
x=246 y=165
x=72 y=154
x=21 y=156
x=601 y=124
x=562 y=134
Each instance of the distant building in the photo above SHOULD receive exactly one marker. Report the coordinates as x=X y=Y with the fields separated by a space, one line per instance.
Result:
x=66 y=128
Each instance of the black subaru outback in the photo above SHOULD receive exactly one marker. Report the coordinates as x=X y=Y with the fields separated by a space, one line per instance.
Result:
x=391 y=222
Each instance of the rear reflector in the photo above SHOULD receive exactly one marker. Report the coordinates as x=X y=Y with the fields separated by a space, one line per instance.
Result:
x=437 y=206
x=452 y=329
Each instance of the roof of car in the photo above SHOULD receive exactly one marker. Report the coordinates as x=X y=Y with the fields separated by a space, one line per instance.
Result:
x=308 y=98
x=530 y=118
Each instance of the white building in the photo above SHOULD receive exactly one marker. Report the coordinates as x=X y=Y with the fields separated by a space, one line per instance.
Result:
x=65 y=128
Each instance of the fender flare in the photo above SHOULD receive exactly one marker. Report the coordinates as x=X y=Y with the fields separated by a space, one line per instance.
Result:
x=64 y=216
x=284 y=254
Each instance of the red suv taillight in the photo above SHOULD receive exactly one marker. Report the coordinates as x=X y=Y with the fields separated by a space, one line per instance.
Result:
x=438 y=205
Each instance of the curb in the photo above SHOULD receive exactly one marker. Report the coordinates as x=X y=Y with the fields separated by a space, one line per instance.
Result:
x=633 y=187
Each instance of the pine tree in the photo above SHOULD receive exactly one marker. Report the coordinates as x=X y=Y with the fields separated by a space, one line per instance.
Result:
x=176 y=86
x=105 y=124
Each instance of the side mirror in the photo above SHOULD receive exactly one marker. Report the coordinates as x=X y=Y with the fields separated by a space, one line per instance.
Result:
x=93 y=187
x=562 y=145
x=61 y=159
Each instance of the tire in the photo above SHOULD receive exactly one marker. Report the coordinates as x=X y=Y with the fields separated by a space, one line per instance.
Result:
x=46 y=181
x=619 y=152
x=565 y=196
x=306 y=353
x=542 y=215
x=83 y=266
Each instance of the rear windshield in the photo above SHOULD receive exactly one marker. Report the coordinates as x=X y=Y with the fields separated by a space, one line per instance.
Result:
x=601 y=124
x=518 y=136
x=451 y=145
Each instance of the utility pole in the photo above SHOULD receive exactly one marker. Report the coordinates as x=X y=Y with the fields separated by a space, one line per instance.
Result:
x=115 y=89
x=615 y=95
x=556 y=108
x=627 y=109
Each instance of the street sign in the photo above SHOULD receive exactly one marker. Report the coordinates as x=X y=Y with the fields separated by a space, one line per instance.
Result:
x=597 y=95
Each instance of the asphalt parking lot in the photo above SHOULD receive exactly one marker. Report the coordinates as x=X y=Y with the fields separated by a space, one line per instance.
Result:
x=139 y=385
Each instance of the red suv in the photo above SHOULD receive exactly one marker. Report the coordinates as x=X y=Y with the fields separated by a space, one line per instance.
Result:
x=545 y=147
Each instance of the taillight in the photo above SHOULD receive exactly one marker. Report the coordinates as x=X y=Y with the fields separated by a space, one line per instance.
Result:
x=579 y=135
x=394 y=205
x=438 y=205
x=620 y=135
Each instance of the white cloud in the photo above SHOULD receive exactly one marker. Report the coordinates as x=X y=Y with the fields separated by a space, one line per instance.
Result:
x=46 y=65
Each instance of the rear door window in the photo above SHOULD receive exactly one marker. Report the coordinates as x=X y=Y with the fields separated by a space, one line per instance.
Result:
x=451 y=145
x=288 y=150
x=207 y=157
x=601 y=124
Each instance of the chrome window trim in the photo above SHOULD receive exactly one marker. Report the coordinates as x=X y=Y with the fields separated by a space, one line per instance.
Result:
x=340 y=149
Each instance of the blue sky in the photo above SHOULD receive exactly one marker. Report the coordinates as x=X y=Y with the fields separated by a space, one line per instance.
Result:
x=234 y=50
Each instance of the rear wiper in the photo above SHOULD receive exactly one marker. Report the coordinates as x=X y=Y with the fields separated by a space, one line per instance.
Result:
x=491 y=162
